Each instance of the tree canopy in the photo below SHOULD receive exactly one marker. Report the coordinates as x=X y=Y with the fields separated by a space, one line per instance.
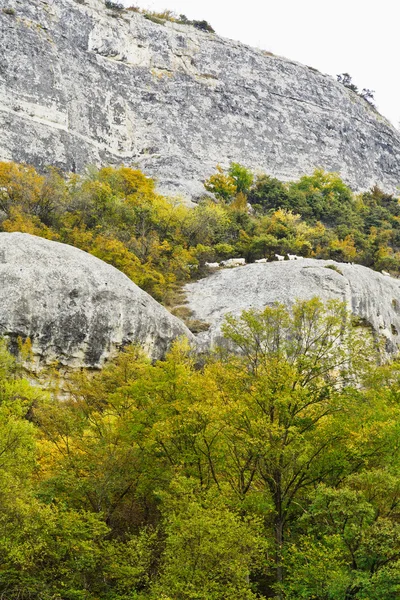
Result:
x=269 y=470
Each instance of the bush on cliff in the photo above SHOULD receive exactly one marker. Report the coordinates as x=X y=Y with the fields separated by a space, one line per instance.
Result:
x=169 y=15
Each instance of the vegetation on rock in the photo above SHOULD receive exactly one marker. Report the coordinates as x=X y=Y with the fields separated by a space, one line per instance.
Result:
x=165 y=15
x=117 y=215
x=367 y=94
x=266 y=470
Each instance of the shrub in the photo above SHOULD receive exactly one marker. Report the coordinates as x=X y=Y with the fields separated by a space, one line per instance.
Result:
x=366 y=94
x=183 y=19
x=169 y=15
x=114 y=5
x=8 y=11
x=203 y=26
x=346 y=80
x=197 y=326
x=154 y=19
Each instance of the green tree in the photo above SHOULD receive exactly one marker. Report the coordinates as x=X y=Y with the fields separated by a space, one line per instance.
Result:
x=270 y=193
x=326 y=197
x=211 y=550
x=242 y=177
x=287 y=420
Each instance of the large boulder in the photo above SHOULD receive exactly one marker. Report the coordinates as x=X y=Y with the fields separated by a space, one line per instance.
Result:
x=75 y=308
x=371 y=296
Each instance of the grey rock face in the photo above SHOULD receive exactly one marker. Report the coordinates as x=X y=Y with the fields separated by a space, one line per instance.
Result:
x=76 y=309
x=373 y=297
x=80 y=84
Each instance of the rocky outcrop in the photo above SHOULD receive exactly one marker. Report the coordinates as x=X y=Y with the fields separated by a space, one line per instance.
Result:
x=371 y=296
x=76 y=309
x=81 y=84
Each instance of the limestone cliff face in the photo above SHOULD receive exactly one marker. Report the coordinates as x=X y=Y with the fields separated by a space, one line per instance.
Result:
x=75 y=308
x=371 y=296
x=79 y=85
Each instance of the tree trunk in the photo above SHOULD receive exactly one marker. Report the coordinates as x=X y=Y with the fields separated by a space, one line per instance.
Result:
x=279 y=524
x=278 y=551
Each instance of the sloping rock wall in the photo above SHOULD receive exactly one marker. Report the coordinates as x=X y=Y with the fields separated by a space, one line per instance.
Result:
x=81 y=84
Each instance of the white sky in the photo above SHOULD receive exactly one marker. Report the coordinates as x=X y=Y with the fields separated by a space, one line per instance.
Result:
x=360 y=37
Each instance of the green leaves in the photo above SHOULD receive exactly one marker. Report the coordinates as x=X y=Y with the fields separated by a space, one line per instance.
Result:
x=211 y=549
x=354 y=545
x=269 y=470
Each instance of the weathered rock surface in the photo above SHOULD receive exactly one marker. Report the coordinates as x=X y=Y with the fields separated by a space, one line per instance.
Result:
x=373 y=297
x=76 y=309
x=80 y=85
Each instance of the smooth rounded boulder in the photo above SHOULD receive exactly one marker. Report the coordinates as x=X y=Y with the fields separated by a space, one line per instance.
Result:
x=374 y=298
x=76 y=309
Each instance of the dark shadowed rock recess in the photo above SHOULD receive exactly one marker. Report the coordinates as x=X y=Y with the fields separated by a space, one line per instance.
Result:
x=75 y=308
x=371 y=296
x=82 y=84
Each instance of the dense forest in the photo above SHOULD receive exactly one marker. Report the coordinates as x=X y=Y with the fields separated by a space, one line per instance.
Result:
x=266 y=469
x=268 y=473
